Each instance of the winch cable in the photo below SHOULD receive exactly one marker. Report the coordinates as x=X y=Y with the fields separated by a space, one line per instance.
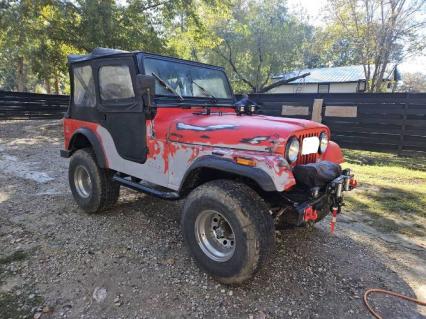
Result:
x=387 y=292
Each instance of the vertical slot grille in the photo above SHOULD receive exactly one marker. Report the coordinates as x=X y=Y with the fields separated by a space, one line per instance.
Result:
x=308 y=158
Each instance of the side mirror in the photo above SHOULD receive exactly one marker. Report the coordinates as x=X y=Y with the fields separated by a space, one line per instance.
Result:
x=146 y=88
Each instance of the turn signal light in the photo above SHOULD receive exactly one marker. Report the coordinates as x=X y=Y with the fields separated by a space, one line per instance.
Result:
x=245 y=161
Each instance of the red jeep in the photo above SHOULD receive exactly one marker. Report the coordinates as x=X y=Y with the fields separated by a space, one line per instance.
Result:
x=173 y=129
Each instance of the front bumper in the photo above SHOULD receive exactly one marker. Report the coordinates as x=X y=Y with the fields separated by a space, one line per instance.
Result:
x=327 y=200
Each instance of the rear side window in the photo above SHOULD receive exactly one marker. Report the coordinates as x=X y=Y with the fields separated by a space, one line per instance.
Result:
x=115 y=83
x=84 y=86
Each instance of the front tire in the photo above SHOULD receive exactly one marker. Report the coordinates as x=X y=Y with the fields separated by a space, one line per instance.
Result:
x=92 y=187
x=228 y=230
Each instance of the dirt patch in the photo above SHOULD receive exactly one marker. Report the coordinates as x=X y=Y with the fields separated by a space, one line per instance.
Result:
x=130 y=262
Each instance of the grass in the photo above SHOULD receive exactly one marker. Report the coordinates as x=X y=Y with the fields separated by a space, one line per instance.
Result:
x=392 y=190
x=18 y=307
x=12 y=305
x=16 y=256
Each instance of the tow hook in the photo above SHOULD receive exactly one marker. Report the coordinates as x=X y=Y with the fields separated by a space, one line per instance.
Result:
x=310 y=215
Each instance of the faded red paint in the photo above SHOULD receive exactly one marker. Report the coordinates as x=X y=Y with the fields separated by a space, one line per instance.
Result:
x=237 y=131
x=262 y=138
x=333 y=153
x=71 y=125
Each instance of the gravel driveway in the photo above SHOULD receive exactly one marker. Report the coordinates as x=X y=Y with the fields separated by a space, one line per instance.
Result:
x=130 y=262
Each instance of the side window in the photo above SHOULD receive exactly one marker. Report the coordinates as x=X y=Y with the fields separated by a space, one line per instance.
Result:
x=84 y=86
x=115 y=83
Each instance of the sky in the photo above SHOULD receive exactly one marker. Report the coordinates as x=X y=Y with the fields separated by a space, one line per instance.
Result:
x=313 y=15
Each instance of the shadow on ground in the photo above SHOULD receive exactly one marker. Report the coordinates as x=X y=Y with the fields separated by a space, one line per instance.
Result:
x=135 y=252
x=393 y=208
x=135 y=255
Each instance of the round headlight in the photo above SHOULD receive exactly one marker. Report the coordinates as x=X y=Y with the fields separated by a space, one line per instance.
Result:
x=323 y=142
x=292 y=149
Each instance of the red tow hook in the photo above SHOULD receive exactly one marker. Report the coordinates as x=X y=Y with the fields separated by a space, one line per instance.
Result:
x=333 y=219
x=310 y=214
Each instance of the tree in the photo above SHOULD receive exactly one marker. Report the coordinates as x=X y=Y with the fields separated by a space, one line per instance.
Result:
x=15 y=26
x=379 y=31
x=413 y=82
x=257 y=40
x=326 y=47
x=34 y=44
x=36 y=36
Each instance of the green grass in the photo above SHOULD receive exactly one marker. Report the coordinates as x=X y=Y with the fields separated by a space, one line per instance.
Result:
x=12 y=305
x=16 y=256
x=18 y=307
x=392 y=190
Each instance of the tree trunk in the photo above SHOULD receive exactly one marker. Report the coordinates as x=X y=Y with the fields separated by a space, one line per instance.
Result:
x=56 y=82
x=48 y=86
x=20 y=75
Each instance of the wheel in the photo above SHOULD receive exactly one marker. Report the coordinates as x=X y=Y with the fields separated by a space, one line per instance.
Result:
x=92 y=187
x=228 y=230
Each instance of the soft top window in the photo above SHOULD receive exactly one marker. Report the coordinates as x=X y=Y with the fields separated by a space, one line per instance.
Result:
x=187 y=79
x=115 y=83
x=84 y=86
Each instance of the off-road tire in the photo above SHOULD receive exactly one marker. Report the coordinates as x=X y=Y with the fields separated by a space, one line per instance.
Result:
x=104 y=192
x=248 y=216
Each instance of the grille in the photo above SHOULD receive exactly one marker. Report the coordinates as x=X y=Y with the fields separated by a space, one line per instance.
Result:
x=308 y=158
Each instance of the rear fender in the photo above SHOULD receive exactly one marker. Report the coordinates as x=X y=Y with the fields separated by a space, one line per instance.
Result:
x=94 y=143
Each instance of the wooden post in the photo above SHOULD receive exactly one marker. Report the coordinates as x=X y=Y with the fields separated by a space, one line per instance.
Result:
x=317 y=110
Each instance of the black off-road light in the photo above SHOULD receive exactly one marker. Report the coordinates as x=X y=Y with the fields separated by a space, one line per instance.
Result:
x=240 y=109
x=251 y=109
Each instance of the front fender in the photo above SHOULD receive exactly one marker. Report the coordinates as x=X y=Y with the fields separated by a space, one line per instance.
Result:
x=266 y=174
x=333 y=153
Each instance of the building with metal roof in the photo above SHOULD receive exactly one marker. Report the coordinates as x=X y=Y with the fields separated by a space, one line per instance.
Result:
x=343 y=79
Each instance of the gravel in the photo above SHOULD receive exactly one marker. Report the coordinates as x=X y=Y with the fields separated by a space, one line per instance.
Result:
x=130 y=262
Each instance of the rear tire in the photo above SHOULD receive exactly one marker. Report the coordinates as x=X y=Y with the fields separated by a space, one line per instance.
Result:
x=92 y=187
x=228 y=230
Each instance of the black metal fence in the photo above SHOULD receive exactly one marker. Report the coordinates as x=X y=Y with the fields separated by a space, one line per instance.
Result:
x=18 y=105
x=393 y=122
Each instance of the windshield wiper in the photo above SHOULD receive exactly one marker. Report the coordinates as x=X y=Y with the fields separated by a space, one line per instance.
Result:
x=207 y=93
x=167 y=86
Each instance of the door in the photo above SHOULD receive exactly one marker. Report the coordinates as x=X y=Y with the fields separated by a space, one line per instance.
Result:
x=121 y=109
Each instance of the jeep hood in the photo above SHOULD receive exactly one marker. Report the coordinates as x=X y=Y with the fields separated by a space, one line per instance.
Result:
x=256 y=132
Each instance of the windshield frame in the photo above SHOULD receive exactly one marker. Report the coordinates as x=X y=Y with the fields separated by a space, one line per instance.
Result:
x=204 y=100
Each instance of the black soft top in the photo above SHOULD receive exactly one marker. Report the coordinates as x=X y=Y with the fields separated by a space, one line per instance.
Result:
x=96 y=53
x=105 y=52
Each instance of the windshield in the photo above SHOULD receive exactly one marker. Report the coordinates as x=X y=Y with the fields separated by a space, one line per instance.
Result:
x=188 y=80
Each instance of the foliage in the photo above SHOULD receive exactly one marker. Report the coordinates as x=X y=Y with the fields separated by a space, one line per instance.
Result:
x=257 y=40
x=378 y=32
x=413 y=82
x=329 y=47
x=252 y=39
